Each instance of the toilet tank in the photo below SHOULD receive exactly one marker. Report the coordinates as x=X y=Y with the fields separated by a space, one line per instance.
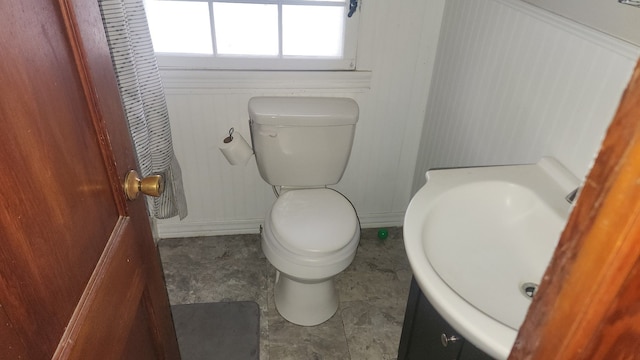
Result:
x=302 y=141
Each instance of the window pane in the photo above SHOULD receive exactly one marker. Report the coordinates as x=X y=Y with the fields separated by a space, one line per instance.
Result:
x=179 y=26
x=246 y=29
x=312 y=30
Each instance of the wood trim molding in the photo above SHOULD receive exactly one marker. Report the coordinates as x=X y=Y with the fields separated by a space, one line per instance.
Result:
x=588 y=306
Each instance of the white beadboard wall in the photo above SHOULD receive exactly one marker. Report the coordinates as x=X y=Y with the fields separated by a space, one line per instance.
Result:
x=513 y=83
x=396 y=53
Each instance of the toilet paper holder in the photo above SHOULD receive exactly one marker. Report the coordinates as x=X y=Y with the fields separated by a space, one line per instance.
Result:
x=235 y=148
x=229 y=138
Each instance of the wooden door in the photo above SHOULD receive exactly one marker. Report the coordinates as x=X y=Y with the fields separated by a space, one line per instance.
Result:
x=80 y=277
x=588 y=304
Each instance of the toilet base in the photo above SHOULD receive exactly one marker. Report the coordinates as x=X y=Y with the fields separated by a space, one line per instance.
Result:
x=305 y=303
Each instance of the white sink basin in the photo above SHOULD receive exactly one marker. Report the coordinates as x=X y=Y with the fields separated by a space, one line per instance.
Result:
x=475 y=237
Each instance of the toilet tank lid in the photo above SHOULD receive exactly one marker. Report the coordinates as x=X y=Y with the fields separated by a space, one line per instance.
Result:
x=303 y=111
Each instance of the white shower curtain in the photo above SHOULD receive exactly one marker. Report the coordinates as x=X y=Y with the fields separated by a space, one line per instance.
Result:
x=143 y=100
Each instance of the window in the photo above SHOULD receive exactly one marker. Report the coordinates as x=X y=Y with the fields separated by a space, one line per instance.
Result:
x=253 y=34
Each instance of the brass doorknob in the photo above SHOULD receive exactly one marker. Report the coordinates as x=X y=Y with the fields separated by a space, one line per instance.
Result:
x=152 y=185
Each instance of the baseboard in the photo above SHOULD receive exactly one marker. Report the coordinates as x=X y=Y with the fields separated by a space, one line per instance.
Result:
x=381 y=220
x=252 y=226
x=208 y=228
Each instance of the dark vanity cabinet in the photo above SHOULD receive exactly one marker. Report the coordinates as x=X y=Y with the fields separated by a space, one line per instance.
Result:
x=426 y=335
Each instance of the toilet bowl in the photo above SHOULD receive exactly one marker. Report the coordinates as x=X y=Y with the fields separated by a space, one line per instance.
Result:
x=310 y=235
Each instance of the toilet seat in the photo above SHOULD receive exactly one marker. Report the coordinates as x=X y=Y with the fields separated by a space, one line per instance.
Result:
x=313 y=221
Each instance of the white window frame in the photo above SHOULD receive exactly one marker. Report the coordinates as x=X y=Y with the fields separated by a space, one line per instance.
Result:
x=279 y=62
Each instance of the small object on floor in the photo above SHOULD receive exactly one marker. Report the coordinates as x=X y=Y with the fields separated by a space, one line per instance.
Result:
x=383 y=233
x=224 y=330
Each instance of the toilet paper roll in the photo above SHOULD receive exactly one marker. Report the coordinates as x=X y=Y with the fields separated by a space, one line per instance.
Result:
x=236 y=149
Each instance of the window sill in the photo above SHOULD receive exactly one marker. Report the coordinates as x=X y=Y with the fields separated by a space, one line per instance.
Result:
x=357 y=81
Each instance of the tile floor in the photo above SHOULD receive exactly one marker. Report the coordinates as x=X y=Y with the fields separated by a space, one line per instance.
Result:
x=373 y=292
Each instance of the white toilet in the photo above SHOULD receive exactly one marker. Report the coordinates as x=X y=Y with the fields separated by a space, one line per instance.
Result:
x=311 y=232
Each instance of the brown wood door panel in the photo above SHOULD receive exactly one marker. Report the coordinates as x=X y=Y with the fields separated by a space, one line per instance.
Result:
x=10 y=343
x=618 y=337
x=49 y=172
x=110 y=303
x=588 y=305
x=79 y=273
x=140 y=341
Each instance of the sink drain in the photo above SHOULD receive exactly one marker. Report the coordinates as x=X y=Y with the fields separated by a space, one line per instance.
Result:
x=528 y=289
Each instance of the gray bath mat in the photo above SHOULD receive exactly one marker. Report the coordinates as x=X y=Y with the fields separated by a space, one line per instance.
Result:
x=211 y=331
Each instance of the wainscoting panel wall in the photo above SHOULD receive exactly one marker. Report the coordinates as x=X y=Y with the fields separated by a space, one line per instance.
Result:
x=513 y=83
x=396 y=52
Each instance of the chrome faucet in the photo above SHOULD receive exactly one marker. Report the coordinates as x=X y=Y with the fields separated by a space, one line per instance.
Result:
x=572 y=195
